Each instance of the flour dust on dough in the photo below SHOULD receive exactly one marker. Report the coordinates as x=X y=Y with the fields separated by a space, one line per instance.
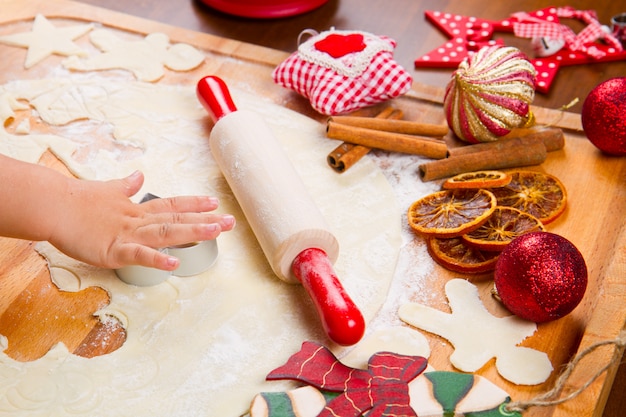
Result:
x=198 y=345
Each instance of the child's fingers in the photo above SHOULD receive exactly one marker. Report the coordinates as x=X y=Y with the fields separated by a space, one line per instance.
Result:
x=135 y=254
x=182 y=204
x=162 y=235
x=224 y=220
x=164 y=221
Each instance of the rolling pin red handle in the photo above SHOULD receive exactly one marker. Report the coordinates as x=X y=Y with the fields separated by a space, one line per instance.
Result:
x=341 y=318
x=215 y=97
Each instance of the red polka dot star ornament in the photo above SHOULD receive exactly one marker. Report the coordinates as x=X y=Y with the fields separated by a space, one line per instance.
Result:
x=540 y=276
x=604 y=116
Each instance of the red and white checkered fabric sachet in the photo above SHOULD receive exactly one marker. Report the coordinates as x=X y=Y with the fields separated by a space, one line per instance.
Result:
x=339 y=84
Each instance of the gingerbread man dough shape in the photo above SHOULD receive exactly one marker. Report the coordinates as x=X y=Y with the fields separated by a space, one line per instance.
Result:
x=479 y=336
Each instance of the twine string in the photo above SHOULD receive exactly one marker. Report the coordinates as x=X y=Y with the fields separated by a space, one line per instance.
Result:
x=561 y=114
x=306 y=32
x=551 y=397
x=571 y=104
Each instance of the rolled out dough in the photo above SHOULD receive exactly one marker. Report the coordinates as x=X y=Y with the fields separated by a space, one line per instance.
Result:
x=199 y=345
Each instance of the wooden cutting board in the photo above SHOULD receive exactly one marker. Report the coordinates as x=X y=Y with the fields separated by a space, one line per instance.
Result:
x=34 y=313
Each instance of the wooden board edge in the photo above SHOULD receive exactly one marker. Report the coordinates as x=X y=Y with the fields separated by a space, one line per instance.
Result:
x=612 y=314
x=68 y=9
x=228 y=47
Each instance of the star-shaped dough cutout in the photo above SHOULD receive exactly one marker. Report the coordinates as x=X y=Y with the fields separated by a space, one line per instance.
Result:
x=45 y=39
x=478 y=336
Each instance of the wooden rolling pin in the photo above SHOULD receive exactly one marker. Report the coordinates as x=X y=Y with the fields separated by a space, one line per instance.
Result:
x=284 y=218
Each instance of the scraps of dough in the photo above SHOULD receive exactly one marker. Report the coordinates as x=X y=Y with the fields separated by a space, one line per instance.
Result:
x=145 y=58
x=199 y=344
x=479 y=336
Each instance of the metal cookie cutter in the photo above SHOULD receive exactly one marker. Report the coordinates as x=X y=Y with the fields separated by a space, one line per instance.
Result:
x=195 y=258
x=618 y=28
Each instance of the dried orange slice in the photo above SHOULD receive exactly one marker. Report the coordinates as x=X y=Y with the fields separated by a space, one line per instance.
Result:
x=456 y=255
x=478 y=179
x=451 y=213
x=504 y=225
x=541 y=195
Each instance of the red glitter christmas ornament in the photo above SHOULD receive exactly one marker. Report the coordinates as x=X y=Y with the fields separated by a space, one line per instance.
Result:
x=540 y=276
x=604 y=116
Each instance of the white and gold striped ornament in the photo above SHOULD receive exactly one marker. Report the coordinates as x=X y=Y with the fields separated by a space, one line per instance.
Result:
x=490 y=94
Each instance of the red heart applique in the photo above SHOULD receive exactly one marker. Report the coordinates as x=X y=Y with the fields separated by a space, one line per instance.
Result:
x=337 y=45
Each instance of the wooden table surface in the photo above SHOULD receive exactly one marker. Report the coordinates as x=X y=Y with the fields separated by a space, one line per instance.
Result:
x=404 y=21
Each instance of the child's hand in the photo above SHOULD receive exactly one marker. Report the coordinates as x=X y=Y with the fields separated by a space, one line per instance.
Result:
x=99 y=225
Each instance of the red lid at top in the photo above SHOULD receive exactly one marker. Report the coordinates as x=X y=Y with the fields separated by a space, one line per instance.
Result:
x=264 y=9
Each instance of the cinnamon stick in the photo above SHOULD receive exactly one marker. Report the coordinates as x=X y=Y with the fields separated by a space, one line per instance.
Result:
x=511 y=154
x=395 y=142
x=551 y=137
x=390 y=125
x=347 y=154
